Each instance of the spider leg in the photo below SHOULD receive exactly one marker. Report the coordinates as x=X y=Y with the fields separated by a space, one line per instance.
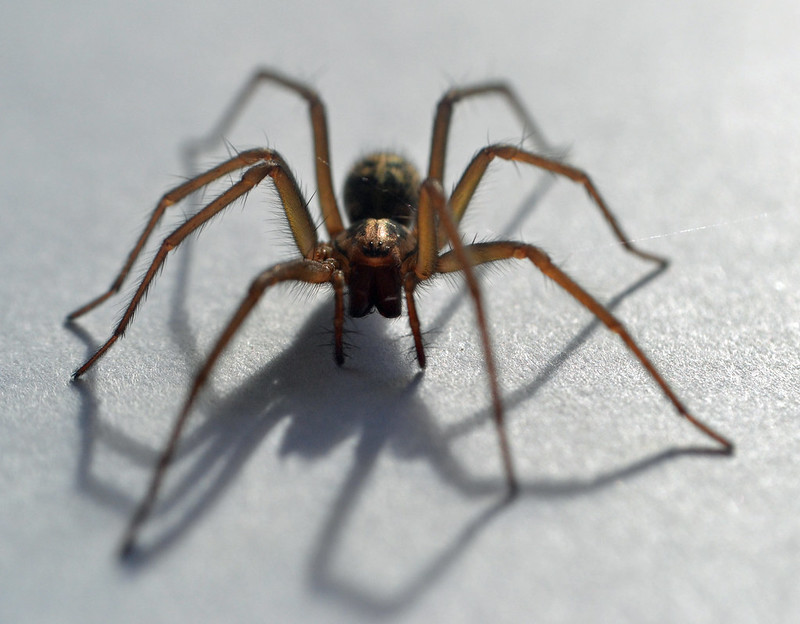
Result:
x=480 y=253
x=338 y=283
x=444 y=112
x=297 y=213
x=240 y=161
x=432 y=198
x=304 y=270
x=462 y=194
x=409 y=284
x=319 y=125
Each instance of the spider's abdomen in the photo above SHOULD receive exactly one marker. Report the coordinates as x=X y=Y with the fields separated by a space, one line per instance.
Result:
x=382 y=186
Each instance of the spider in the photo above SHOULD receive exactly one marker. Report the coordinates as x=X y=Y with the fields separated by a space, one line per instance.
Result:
x=402 y=232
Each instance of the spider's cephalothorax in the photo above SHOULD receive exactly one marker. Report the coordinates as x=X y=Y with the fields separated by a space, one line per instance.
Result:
x=380 y=196
x=397 y=238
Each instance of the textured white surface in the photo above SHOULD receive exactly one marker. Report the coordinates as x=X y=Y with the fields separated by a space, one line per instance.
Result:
x=308 y=493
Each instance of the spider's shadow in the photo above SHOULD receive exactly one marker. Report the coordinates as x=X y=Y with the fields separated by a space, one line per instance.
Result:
x=322 y=407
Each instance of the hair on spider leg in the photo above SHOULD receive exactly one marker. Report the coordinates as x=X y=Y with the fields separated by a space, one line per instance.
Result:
x=326 y=336
x=281 y=233
x=429 y=339
x=122 y=306
x=398 y=230
x=302 y=295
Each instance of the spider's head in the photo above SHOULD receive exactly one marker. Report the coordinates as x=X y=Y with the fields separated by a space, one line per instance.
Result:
x=382 y=186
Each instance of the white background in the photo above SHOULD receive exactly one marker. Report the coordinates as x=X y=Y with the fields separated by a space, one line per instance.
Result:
x=309 y=493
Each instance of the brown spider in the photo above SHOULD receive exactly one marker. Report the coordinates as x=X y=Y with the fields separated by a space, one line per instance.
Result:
x=399 y=226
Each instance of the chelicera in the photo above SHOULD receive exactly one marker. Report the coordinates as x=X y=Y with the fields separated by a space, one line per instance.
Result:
x=402 y=231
